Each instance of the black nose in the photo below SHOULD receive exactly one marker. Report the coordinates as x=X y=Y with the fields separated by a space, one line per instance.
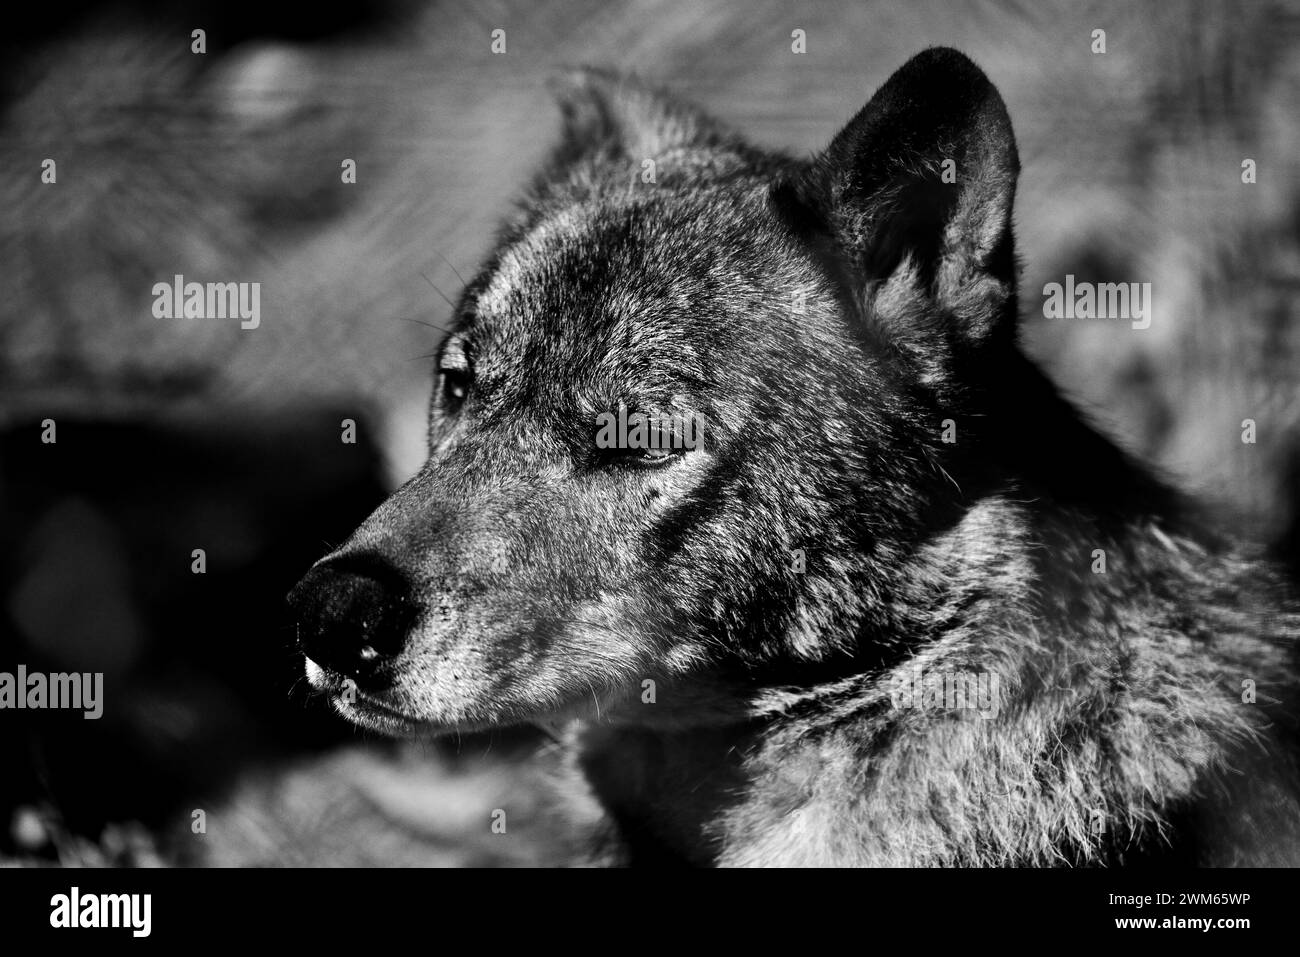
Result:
x=353 y=614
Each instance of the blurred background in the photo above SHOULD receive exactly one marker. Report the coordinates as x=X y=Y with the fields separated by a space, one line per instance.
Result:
x=174 y=435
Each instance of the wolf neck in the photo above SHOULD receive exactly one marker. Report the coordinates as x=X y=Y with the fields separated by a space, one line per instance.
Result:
x=1118 y=710
x=1106 y=719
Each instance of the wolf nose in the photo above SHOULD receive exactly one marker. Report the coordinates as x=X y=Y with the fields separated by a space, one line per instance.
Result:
x=353 y=614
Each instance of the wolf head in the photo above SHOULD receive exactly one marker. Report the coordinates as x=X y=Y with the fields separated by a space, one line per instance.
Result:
x=818 y=321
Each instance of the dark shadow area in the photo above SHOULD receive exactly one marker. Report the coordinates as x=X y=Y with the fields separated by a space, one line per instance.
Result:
x=97 y=572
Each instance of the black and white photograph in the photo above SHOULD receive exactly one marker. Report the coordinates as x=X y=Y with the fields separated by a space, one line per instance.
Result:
x=651 y=434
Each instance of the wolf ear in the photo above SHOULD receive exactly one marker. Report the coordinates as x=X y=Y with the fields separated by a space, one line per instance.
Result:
x=915 y=195
x=621 y=117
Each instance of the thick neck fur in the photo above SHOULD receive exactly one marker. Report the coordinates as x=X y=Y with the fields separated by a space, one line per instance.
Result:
x=1124 y=713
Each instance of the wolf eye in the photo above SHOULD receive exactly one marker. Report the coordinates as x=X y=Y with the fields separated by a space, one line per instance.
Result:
x=455 y=386
x=649 y=458
x=638 y=449
x=640 y=458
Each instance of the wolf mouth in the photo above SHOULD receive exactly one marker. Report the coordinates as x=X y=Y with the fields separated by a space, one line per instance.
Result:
x=357 y=706
x=368 y=713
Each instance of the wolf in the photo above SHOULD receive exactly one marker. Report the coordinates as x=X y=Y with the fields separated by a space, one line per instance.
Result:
x=751 y=645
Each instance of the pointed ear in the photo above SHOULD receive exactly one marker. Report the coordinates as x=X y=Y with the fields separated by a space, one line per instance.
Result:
x=621 y=117
x=915 y=195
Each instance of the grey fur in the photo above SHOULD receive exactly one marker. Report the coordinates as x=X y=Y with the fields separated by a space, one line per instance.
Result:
x=823 y=318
